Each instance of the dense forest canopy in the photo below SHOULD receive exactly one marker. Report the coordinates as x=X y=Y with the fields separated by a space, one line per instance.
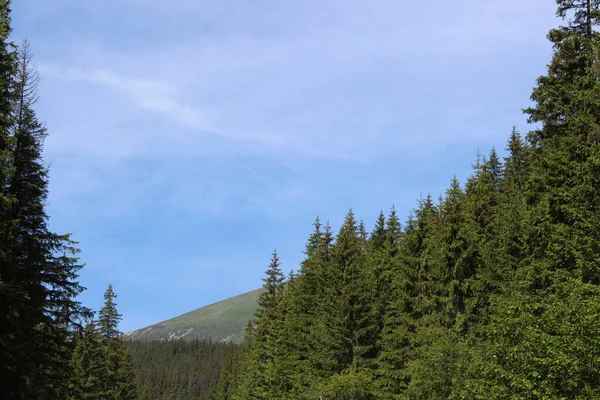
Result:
x=491 y=290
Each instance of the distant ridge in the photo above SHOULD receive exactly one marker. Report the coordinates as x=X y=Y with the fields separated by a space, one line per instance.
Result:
x=225 y=320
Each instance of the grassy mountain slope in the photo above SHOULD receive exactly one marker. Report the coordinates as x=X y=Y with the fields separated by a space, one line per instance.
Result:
x=222 y=321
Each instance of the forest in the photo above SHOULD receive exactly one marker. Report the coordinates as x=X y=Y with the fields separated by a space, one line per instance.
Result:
x=489 y=291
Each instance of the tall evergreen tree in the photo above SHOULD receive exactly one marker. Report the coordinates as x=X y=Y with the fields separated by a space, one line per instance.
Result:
x=558 y=264
x=12 y=342
x=87 y=365
x=564 y=189
x=308 y=360
x=39 y=270
x=108 y=316
x=273 y=285
x=491 y=293
x=259 y=379
x=117 y=378
x=347 y=334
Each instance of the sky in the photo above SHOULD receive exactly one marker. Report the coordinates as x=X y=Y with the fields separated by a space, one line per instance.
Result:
x=188 y=139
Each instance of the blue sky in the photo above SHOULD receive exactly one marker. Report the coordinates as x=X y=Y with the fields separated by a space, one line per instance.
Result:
x=190 y=138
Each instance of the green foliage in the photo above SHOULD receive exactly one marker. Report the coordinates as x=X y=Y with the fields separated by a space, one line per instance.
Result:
x=102 y=367
x=87 y=364
x=109 y=317
x=38 y=268
x=260 y=378
x=492 y=292
x=185 y=370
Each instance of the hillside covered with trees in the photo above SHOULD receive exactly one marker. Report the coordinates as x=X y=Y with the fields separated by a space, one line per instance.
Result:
x=490 y=291
x=179 y=369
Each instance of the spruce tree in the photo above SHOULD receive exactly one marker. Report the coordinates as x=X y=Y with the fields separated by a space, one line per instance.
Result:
x=565 y=185
x=260 y=380
x=108 y=316
x=87 y=361
x=307 y=360
x=273 y=285
x=117 y=377
x=491 y=293
x=13 y=342
x=396 y=251
x=347 y=334
x=39 y=268
x=557 y=262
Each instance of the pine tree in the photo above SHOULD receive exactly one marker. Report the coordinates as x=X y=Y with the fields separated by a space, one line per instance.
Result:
x=270 y=317
x=382 y=248
x=273 y=285
x=8 y=67
x=564 y=188
x=346 y=333
x=87 y=365
x=259 y=380
x=13 y=345
x=117 y=377
x=556 y=260
x=39 y=270
x=307 y=361
x=490 y=293
x=396 y=253
x=108 y=316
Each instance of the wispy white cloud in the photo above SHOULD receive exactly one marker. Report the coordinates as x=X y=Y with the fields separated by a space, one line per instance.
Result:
x=355 y=82
x=319 y=80
x=153 y=95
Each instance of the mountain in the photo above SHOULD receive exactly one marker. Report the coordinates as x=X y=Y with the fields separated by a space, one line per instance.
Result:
x=222 y=321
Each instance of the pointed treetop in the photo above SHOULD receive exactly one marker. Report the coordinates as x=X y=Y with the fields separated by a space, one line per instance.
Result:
x=379 y=225
x=317 y=224
x=349 y=227
x=328 y=230
x=559 y=95
x=377 y=235
x=274 y=279
x=455 y=192
x=273 y=283
x=393 y=222
x=108 y=316
x=515 y=143
x=494 y=165
x=315 y=239
x=327 y=236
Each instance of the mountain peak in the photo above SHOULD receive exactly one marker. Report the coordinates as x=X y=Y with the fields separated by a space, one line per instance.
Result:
x=223 y=321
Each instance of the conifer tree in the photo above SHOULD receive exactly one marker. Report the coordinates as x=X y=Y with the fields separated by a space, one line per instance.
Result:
x=557 y=265
x=12 y=341
x=117 y=378
x=273 y=285
x=8 y=66
x=491 y=293
x=39 y=270
x=382 y=248
x=87 y=365
x=228 y=381
x=393 y=338
x=564 y=188
x=346 y=334
x=307 y=359
x=259 y=380
x=108 y=316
